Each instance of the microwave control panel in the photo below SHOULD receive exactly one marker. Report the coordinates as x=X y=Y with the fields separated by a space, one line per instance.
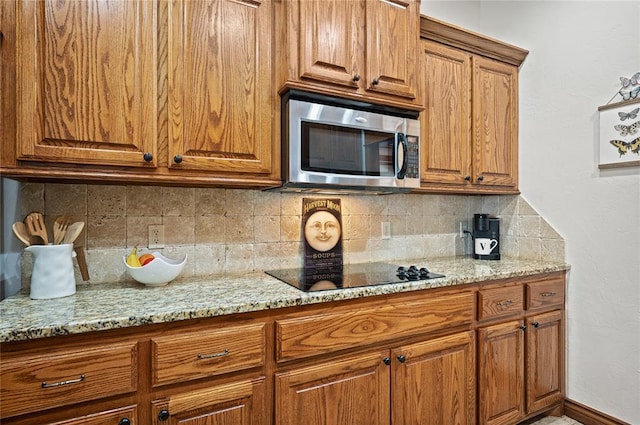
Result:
x=413 y=158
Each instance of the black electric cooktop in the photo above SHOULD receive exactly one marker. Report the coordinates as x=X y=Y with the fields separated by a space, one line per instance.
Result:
x=351 y=276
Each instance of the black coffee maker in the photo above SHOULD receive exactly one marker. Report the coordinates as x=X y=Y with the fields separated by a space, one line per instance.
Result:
x=486 y=237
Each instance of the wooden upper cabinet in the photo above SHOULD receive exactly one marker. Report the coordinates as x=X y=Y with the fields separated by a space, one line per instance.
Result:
x=495 y=123
x=446 y=126
x=219 y=86
x=331 y=49
x=351 y=48
x=86 y=81
x=392 y=47
x=470 y=124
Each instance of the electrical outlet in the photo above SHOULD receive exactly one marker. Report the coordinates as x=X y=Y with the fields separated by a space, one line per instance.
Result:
x=156 y=236
x=464 y=228
x=386 y=230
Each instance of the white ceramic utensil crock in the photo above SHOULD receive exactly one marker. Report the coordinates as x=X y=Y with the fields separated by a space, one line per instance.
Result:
x=52 y=275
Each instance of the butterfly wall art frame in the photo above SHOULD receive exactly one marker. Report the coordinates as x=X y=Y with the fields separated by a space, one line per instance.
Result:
x=620 y=134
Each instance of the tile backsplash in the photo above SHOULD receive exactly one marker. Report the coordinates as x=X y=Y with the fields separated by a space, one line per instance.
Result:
x=232 y=230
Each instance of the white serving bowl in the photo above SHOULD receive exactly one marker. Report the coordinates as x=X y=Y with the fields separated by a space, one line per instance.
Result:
x=160 y=271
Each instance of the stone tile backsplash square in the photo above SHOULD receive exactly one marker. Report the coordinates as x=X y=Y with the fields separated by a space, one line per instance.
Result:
x=232 y=230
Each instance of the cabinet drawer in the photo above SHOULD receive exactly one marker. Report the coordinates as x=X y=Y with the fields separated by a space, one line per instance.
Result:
x=545 y=293
x=36 y=382
x=112 y=417
x=193 y=355
x=324 y=333
x=500 y=302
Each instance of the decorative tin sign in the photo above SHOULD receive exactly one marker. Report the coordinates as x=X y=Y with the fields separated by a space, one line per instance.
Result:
x=322 y=231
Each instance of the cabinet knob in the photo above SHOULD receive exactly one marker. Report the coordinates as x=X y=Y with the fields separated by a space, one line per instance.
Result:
x=480 y=178
x=375 y=81
x=124 y=421
x=386 y=361
x=356 y=77
x=177 y=159
x=535 y=324
x=401 y=358
x=523 y=327
x=467 y=178
x=148 y=156
x=163 y=415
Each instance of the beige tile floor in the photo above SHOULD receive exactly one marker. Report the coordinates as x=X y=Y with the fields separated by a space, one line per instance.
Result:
x=553 y=420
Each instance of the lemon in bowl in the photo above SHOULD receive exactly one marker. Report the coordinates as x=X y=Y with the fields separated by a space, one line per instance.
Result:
x=157 y=272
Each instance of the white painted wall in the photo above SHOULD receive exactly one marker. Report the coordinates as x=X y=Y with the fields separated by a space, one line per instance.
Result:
x=578 y=51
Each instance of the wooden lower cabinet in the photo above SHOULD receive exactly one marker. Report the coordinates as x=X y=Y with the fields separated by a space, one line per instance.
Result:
x=501 y=373
x=237 y=403
x=544 y=338
x=430 y=382
x=433 y=382
x=520 y=368
x=353 y=390
x=490 y=353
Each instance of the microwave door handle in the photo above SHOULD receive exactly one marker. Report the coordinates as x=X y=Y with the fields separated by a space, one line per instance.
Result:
x=402 y=140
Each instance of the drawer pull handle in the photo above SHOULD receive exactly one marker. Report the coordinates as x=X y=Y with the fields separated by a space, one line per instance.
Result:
x=57 y=384
x=547 y=294
x=507 y=303
x=213 y=356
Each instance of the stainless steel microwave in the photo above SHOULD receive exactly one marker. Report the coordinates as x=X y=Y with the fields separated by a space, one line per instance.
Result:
x=330 y=144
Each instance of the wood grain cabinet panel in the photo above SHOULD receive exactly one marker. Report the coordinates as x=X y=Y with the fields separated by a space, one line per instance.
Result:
x=360 y=49
x=433 y=382
x=236 y=403
x=220 y=100
x=87 y=82
x=544 y=338
x=34 y=382
x=353 y=390
x=122 y=416
x=446 y=124
x=470 y=124
x=500 y=302
x=545 y=293
x=322 y=333
x=192 y=355
x=495 y=123
x=501 y=373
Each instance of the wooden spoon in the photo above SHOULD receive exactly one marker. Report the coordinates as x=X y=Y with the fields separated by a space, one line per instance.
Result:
x=21 y=232
x=73 y=231
x=36 y=227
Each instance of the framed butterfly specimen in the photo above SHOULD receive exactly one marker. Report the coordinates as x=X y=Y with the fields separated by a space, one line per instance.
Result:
x=620 y=133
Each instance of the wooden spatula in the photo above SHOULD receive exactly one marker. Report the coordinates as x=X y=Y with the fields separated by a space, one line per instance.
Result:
x=35 y=225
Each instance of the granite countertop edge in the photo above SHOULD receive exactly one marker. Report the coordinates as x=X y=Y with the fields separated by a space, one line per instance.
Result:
x=97 y=307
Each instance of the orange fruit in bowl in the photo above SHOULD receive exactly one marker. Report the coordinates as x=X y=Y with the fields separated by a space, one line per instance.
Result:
x=145 y=259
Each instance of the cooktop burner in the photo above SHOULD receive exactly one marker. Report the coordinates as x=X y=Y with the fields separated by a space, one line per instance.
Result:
x=351 y=276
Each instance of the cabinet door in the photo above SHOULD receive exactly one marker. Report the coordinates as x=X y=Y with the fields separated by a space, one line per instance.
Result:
x=434 y=382
x=220 y=100
x=495 y=123
x=330 y=41
x=446 y=122
x=501 y=373
x=238 y=403
x=392 y=44
x=352 y=391
x=87 y=81
x=544 y=360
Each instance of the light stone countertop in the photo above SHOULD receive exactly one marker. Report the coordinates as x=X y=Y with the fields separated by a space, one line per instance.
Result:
x=97 y=307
